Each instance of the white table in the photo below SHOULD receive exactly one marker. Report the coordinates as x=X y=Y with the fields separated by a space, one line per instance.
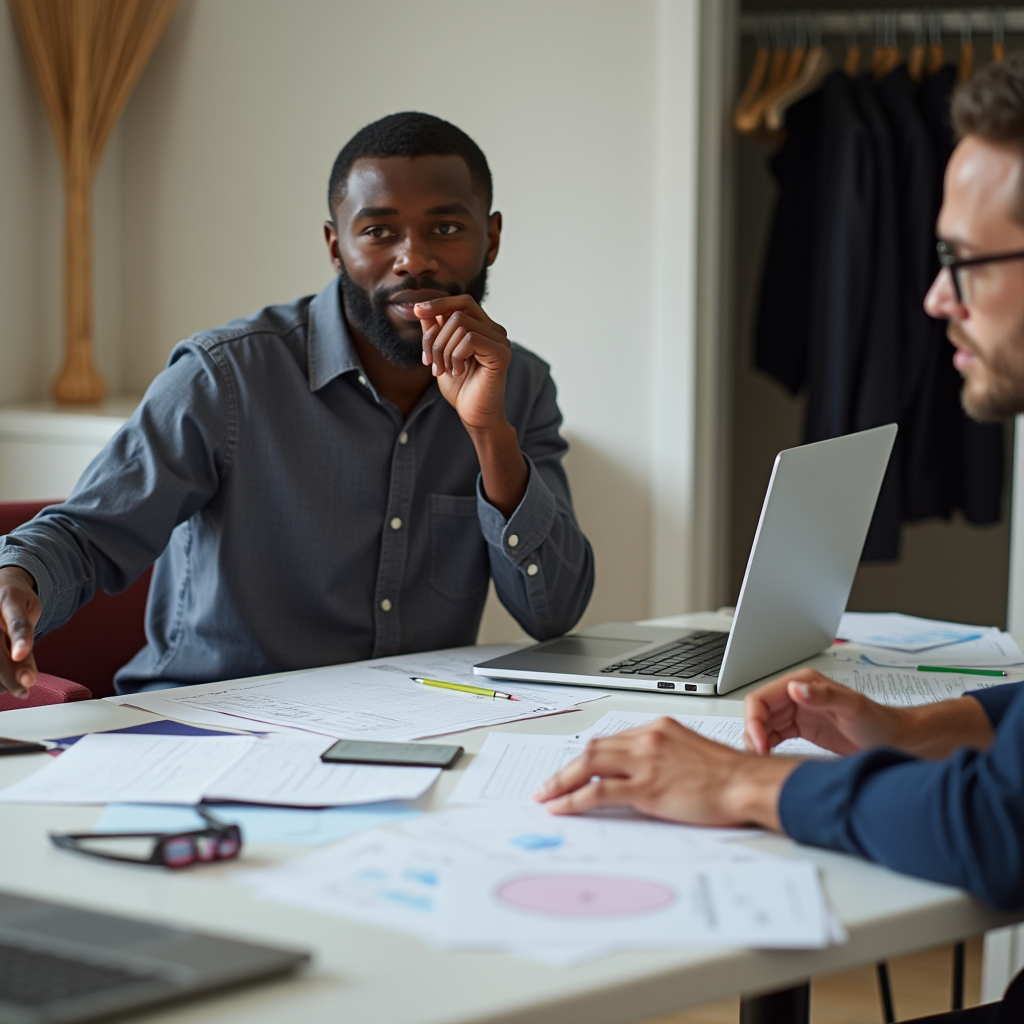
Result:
x=365 y=974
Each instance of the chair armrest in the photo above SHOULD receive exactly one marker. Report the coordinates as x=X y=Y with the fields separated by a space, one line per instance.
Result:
x=47 y=689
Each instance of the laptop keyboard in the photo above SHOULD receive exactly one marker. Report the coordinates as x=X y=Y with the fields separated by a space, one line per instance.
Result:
x=699 y=654
x=31 y=978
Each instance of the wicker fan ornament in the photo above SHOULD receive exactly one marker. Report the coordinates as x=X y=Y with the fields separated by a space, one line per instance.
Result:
x=87 y=56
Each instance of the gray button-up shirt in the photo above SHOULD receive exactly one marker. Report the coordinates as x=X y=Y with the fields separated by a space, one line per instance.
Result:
x=295 y=520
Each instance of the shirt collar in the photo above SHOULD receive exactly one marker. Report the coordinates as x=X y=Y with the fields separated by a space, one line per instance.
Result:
x=330 y=348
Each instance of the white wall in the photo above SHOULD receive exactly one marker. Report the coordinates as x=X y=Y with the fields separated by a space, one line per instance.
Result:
x=211 y=200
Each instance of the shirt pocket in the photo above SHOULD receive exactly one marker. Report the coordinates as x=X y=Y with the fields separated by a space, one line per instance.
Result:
x=459 y=566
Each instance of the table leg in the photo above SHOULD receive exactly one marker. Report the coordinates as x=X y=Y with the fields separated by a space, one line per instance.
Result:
x=788 y=1006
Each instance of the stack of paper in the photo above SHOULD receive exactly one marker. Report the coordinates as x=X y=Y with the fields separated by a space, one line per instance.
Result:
x=288 y=826
x=904 y=688
x=132 y=768
x=900 y=641
x=559 y=890
x=721 y=728
x=370 y=702
x=512 y=766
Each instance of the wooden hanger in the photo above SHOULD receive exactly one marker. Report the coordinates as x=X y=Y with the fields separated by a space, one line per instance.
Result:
x=998 y=36
x=936 y=51
x=879 y=53
x=916 y=57
x=966 y=49
x=758 y=76
x=851 y=62
x=813 y=71
x=785 y=66
x=747 y=118
x=888 y=53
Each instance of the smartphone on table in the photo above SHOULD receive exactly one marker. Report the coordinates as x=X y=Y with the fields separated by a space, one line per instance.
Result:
x=419 y=755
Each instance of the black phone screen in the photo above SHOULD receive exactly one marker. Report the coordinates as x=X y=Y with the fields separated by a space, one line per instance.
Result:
x=423 y=755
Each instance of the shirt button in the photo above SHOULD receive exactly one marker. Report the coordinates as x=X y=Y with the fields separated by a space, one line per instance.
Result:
x=403 y=438
x=532 y=569
x=513 y=540
x=362 y=380
x=385 y=605
x=396 y=523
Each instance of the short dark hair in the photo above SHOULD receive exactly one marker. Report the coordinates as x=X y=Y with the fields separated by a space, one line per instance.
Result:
x=409 y=134
x=990 y=105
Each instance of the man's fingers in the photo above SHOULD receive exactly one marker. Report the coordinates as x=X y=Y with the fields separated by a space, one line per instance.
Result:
x=755 y=737
x=607 y=754
x=596 y=793
x=17 y=622
x=824 y=695
x=17 y=677
x=449 y=304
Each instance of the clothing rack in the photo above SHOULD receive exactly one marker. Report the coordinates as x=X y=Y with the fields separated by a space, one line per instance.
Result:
x=950 y=21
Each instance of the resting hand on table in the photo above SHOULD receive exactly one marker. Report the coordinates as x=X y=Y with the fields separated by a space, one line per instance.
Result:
x=19 y=612
x=809 y=705
x=668 y=771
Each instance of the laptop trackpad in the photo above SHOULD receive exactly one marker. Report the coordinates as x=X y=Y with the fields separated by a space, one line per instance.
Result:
x=589 y=647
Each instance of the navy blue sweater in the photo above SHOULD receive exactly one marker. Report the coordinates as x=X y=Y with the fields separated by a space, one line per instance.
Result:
x=959 y=820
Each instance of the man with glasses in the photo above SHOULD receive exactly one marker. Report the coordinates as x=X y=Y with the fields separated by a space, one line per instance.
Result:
x=934 y=791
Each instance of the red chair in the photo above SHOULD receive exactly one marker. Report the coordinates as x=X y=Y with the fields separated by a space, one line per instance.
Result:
x=46 y=689
x=93 y=645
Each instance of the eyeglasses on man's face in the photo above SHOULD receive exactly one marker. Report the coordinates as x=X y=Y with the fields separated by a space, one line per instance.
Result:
x=958 y=267
x=218 y=841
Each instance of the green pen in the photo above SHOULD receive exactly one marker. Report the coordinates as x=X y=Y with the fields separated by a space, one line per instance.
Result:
x=962 y=671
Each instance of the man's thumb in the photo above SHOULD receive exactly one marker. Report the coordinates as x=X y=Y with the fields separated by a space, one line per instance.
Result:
x=818 y=694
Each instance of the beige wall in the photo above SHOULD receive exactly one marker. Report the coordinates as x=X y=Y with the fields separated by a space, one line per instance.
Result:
x=210 y=202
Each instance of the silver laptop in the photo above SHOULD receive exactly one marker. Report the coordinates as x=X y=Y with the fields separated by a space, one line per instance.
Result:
x=808 y=543
x=59 y=964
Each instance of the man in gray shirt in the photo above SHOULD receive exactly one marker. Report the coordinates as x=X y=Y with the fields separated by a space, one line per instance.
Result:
x=333 y=479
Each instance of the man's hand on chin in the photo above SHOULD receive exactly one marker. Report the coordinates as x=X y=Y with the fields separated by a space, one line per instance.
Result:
x=668 y=771
x=469 y=354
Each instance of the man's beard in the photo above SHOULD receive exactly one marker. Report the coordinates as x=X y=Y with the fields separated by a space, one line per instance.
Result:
x=369 y=313
x=994 y=387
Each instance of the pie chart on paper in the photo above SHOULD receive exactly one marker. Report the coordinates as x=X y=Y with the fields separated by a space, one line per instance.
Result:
x=586 y=896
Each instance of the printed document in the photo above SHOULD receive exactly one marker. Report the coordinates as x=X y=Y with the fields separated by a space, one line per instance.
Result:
x=770 y=903
x=994 y=649
x=455 y=665
x=287 y=771
x=156 y=769
x=905 y=632
x=123 y=768
x=280 y=825
x=404 y=877
x=514 y=831
x=903 y=688
x=512 y=766
x=721 y=728
x=356 y=702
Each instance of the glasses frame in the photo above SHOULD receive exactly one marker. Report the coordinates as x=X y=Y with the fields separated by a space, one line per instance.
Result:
x=953 y=263
x=216 y=831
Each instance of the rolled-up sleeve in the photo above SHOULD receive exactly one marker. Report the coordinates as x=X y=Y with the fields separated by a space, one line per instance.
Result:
x=541 y=563
x=158 y=469
x=959 y=820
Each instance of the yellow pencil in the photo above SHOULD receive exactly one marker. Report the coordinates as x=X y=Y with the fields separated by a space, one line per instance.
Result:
x=463 y=688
